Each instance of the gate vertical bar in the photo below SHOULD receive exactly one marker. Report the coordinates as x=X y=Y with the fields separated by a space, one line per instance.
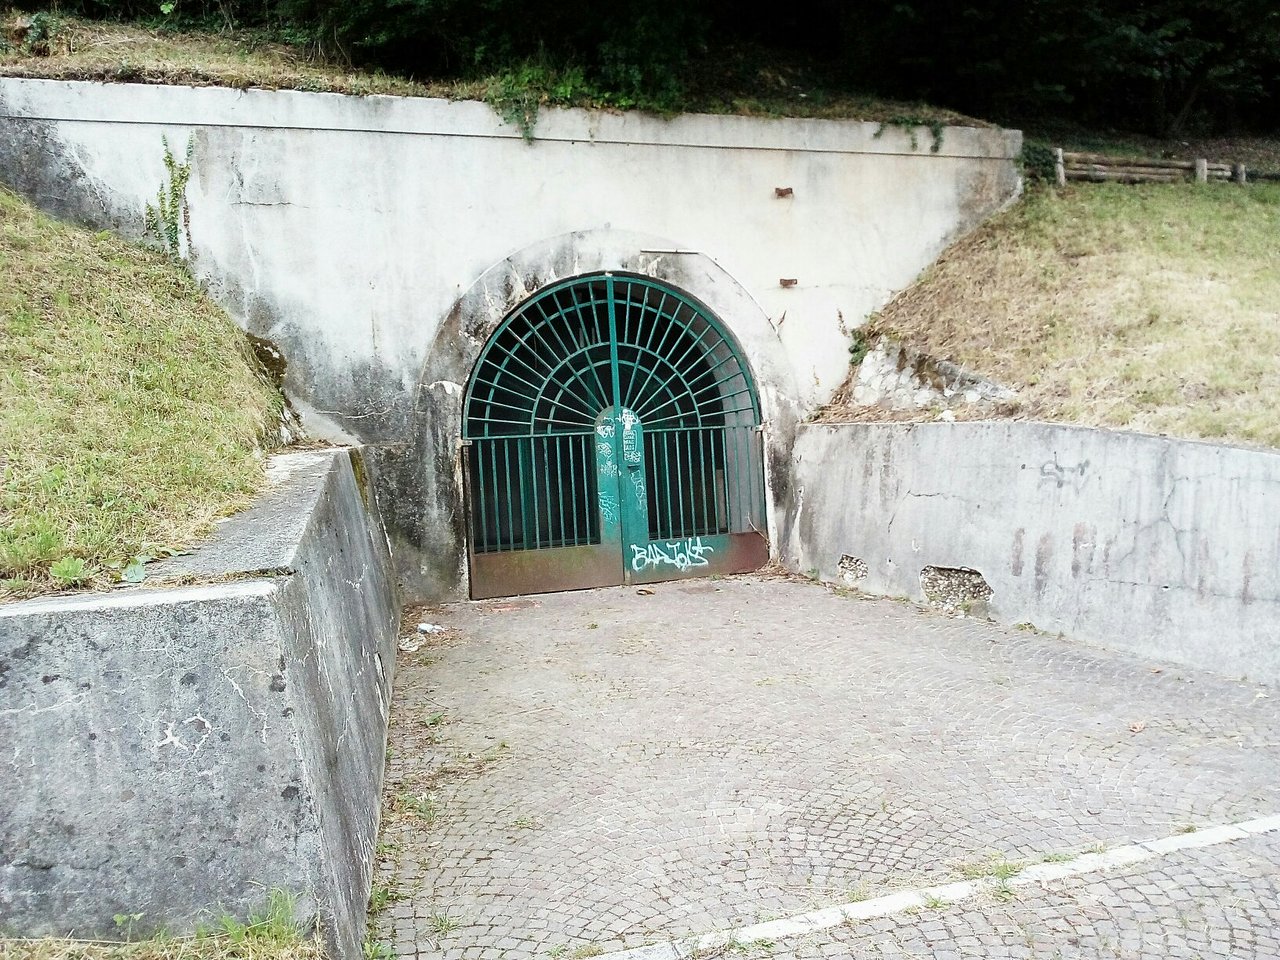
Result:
x=613 y=346
x=702 y=479
x=616 y=411
x=483 y=541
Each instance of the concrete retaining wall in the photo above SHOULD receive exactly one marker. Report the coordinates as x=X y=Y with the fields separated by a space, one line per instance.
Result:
x=179 y=752
x=1167 y=548
x=358 y=234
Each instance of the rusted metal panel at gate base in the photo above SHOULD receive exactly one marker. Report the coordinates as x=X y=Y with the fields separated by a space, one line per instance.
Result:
x=658 y=560
x=511 y=573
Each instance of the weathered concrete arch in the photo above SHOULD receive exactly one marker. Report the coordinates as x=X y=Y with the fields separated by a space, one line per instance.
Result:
x=424 y=477
x=310 y=246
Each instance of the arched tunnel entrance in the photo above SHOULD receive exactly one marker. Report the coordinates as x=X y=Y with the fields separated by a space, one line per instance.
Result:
x=613 y=435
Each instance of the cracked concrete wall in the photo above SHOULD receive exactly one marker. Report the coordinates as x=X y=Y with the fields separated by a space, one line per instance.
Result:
x=178 y=752
x=349 y=230
x=1166 y=548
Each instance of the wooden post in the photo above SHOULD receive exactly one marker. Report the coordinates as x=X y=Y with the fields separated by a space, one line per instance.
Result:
x=1202 y=171
x=1238 y=174
x=1059 y=167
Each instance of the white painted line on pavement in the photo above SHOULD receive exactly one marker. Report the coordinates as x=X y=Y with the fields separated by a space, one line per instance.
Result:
x=889 y=904
x=1261 y=825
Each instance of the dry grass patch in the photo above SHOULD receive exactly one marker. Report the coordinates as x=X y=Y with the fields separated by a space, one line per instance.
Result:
x=734 y=81
x=132 y=412
x=1154 y=308
x=1258 y=153
x=205 y=947
x=77 y=49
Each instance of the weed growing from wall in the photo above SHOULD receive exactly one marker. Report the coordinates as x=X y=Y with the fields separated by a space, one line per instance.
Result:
x=169 y=218
x=515 y=102
x=859 y=347
x=517 y=95
x=911 y=123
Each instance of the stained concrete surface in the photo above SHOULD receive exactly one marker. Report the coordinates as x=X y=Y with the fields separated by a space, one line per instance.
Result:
x=590 y=772
x=1165 y=548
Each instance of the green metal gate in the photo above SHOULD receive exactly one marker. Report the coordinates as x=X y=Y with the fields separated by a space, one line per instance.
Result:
x=612 y=435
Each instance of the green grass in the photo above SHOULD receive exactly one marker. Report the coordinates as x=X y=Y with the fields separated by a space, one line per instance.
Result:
x=131 y=410
x=1154 y=308
x=424 y=806
x=382 y=895
x=995 y=866
x=443 y=922
x=270 y=934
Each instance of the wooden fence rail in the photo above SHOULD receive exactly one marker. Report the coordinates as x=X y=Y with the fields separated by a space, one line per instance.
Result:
x=1100 y=168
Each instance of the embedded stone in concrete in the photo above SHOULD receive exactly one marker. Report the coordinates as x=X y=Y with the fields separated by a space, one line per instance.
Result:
x=852 y=569
x=895 y=376
x=954 y=588
x=178 y=753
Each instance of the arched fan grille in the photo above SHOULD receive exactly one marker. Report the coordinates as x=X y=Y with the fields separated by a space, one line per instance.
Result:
x=550 y=366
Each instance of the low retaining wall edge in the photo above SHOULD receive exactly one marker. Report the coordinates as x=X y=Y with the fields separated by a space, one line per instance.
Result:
x=1166 y=548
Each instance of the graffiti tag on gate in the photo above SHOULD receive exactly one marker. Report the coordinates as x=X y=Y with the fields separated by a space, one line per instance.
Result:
x=630 y=438
x=684 y=555
x=609 y=508
x=642 y=494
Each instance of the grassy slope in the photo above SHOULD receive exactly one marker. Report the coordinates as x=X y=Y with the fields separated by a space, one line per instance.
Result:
x=131 y=411
x=1154 y=308
x=93 y=50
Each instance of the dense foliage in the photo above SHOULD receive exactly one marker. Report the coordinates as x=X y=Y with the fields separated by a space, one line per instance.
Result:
x=1166 y=67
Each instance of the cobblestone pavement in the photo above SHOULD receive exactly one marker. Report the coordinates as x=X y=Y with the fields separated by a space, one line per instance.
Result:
x=589 y=772
x=1216 y=902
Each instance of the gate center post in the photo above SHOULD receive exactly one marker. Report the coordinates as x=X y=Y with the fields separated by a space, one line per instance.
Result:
x=633 y=484
x=608 y=489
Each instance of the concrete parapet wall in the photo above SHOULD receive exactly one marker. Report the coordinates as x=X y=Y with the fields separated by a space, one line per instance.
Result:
x=1166 y=548
x=179 y=752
